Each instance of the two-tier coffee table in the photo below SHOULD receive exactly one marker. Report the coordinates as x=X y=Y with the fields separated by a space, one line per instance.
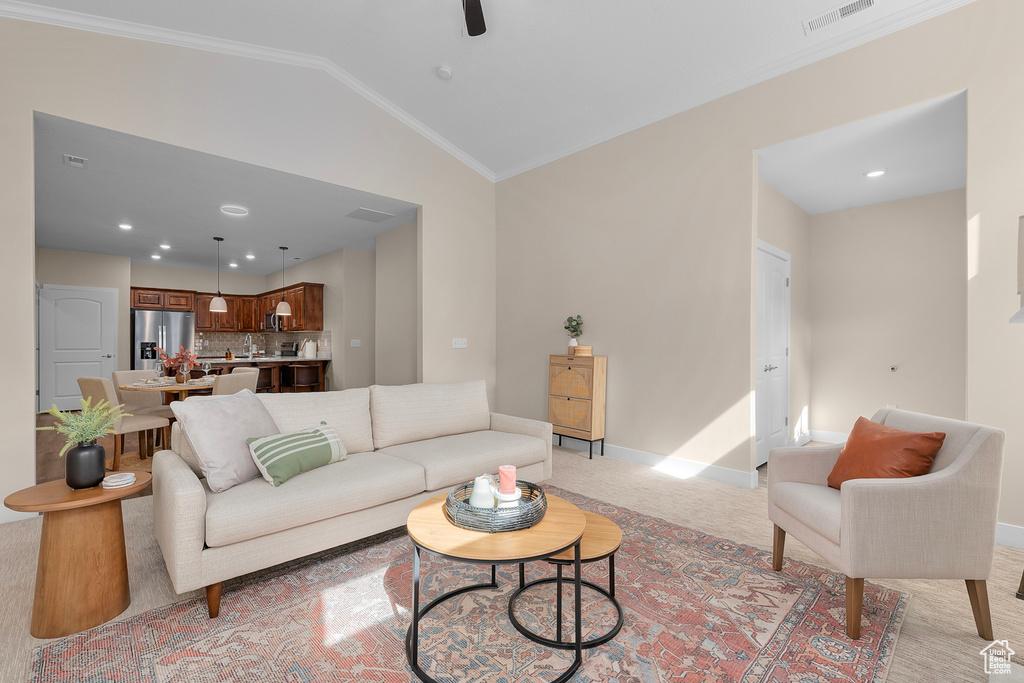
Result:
x=560 y=530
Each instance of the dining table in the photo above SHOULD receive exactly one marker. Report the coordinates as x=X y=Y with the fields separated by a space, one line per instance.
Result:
x=170 y=387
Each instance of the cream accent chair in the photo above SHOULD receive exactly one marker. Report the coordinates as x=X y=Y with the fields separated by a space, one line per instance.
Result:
x=100 y=388
x=940 y=525
x=235 y=382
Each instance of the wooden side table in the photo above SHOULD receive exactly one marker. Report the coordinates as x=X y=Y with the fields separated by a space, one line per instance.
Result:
x=82 y=574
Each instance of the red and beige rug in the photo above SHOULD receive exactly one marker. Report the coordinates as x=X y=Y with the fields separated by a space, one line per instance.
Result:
x=697 y=608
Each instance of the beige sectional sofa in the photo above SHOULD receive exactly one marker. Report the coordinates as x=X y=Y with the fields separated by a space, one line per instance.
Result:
x=405 y=444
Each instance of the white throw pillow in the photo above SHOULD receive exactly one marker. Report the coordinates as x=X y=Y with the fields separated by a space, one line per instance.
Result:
x=217 y=428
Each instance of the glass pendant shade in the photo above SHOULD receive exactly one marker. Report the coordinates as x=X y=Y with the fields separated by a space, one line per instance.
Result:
x=218 y=305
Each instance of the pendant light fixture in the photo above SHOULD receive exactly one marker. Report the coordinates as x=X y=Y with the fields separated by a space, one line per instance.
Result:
x=217 y=304
x=283 y=308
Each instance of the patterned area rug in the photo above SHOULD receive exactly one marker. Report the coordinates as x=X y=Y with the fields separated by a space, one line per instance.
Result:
x=697 y=608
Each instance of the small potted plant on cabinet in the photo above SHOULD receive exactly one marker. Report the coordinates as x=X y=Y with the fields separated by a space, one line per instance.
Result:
x=574 y=327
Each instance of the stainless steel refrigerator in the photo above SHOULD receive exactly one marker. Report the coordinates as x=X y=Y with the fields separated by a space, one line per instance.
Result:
x=160 y=329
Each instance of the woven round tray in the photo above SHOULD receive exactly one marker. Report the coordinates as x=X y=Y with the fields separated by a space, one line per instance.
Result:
x=530 y=510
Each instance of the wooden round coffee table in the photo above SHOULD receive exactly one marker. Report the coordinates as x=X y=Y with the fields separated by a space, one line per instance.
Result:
x=82 y=574
x=560 y=531
x=600 y=541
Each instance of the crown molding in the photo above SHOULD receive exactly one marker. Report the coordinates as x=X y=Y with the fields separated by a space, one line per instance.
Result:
x=921 y=12
x=126 y=29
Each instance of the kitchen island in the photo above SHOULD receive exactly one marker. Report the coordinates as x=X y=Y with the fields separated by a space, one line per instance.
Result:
x=272 y=369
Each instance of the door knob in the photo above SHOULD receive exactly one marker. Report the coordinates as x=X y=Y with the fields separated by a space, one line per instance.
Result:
x=109 y=355
x=769 y=368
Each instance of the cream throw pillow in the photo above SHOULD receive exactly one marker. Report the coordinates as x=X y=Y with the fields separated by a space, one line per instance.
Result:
x=216 y=430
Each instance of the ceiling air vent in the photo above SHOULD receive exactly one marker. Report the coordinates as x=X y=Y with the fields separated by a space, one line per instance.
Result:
x=370 y=215
x=835 y=14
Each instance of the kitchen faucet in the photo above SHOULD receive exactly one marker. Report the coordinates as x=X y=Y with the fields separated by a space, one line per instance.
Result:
x=247 y=346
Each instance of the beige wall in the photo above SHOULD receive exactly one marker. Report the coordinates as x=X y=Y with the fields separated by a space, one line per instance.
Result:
x=889 y=288
x=650 y=237
x=784 y=225
x=396 y=306
x=253 y=111
x=164 y=277
x=79 y=269
x=360 y=301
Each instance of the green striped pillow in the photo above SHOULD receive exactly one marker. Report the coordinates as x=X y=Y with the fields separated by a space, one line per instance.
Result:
x=280 y=457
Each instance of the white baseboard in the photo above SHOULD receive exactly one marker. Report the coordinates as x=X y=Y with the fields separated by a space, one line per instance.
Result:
x=12 y=516
x=800 y=440
x=677 y=467
x=828 y=437
x=1010 y=535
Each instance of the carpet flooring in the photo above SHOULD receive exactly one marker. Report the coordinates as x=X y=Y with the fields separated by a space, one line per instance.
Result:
x=696 y=608
x=937 y=642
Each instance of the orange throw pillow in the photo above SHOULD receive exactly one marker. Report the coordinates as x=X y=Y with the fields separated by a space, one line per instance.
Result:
x=875 y=451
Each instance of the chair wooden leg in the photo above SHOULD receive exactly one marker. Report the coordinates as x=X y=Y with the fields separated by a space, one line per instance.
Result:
x=1020 y=589
x=143 y=443
x=213 y=599
x=118 y=447
x=778 y=545
x=166 y=436
x=978 y=592
x=854 y=600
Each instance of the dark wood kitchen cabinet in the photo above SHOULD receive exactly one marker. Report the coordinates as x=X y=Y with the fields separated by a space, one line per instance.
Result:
x=163 y=299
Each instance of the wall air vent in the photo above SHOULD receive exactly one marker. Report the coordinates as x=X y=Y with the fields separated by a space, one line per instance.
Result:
x=835 y=14
x=76 y=162
x=370 y=215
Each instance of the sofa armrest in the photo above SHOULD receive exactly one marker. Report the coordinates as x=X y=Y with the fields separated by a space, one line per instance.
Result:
x=523 y=425
x=179 y=519
x=802 y=464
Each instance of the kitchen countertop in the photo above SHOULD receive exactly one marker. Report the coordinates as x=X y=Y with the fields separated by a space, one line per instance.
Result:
x=262 y=359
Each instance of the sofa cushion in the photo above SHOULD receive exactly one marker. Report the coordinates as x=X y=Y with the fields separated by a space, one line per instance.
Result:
x=347 y=412
x=424 y=411
x=256 y=508
x=280 y=457
x=451 y=460
x=819 y=507
x=216 y=429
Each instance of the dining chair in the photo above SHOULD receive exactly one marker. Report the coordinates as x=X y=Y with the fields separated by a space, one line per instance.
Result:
x=235 y=382
x=141 y=402
x=101 y=388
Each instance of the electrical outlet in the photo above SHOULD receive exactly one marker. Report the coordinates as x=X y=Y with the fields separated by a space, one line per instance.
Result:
x=460 y=343
x=355 y=343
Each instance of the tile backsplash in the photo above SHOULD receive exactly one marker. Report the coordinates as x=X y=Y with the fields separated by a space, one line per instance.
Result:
x=217 y=343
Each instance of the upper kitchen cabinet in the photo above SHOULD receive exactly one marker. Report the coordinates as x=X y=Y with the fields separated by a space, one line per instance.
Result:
x=216 y=322
x=307 y=303
x=163 y=299
x=247 y=314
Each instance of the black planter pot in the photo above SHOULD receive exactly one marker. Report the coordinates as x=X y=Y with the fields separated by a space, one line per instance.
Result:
x=85 y=465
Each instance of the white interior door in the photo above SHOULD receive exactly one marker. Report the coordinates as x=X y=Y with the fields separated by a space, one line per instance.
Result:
x=77 y=338
x=772 y=369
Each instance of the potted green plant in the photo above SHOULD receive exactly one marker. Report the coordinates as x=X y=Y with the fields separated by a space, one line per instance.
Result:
x=574 y=327
x=85 y=464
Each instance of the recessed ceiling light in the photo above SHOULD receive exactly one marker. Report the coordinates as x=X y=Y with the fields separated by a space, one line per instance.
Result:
x=250 y=256
x=874 y=174
x=233 y=264
x=125 y=226
x=445 y=73
x=165 y=246
x=232 y=210
x=156 y=257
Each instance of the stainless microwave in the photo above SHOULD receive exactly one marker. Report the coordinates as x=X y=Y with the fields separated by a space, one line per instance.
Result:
x=272 y=322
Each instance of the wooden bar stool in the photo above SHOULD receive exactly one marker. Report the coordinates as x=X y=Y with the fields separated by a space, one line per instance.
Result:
x=601 y=539
x=306 y=377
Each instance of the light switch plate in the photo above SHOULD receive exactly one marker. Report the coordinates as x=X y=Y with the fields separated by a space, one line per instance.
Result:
x=355 y=343
x=460 y=343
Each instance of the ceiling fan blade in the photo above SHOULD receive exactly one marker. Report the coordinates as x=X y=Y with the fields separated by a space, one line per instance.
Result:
x=474 y=17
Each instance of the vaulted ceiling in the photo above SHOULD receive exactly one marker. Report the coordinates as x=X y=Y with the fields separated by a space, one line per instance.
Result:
x=545 y=80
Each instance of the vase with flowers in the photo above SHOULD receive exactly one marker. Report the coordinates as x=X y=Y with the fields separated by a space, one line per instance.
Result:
x=85 y=464
x=574 y=328
x=181 y=363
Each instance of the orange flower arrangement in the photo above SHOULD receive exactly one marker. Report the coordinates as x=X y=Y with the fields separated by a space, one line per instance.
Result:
x=183 y=361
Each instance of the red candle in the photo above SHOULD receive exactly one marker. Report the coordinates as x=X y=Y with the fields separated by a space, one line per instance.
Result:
x=507 y=479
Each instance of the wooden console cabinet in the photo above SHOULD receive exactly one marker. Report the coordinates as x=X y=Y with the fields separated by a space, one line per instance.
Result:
x=576 y=395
